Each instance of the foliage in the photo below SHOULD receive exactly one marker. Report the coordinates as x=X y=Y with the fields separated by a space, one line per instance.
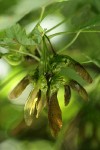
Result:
x=50 y=69
x=45 y=73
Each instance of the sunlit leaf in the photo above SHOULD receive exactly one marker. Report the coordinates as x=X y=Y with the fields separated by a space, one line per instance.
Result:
x=30 y=107
x=19 y=88
x=54 y=115
x=67 y=94
x=37 y=34
x=78 y=88
x=13 y=58
x=17 y=35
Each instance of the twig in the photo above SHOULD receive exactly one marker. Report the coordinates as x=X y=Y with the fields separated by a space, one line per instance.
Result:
x=56 y=25
x=36 y=58
x=50 y=44
x=70 y=43
x=41 y=15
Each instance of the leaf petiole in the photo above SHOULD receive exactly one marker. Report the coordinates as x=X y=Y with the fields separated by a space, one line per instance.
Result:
x=35 y=57
x=71 y=42
x=41 y=15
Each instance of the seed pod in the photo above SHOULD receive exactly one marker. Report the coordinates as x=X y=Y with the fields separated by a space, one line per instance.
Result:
x=16 y=92
x=30 y=107
x=68 y=61
x=78 y=88
x=40 y=103
x=80 y=70
x=67 y=94
x=54 y=114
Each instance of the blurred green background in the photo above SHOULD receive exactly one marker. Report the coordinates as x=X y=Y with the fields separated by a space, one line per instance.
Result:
x=81 y=120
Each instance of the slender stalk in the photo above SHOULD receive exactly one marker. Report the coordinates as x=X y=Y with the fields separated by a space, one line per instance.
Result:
x=38 y=50
x=44 y=54
x=70 y=43
x=50 y=44
x=71 y=32
x=41 y=15
x=59 y=33
x=56 y=25
x=36 y=58
x=87 y=62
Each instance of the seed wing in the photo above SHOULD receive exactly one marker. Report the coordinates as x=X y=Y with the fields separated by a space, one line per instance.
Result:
x=16 y=92
x=30 y=107
x=54 y=115
x=78 y=88
x=67 y=94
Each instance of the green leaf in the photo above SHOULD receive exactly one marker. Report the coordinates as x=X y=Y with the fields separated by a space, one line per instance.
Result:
x=12 y=12
x=95 y=21
x=13 y=59
x=1 y=55
x=61 y=0
x=17 y=35
x=37 y=34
